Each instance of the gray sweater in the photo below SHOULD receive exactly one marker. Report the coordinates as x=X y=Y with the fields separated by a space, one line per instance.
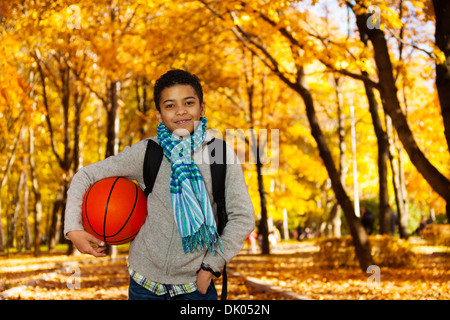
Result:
x=157 y=252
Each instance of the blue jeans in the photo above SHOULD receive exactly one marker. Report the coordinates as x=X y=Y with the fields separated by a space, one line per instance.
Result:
x=138 y=292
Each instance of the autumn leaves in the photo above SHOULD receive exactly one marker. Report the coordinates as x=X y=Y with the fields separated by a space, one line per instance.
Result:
x=81 y=77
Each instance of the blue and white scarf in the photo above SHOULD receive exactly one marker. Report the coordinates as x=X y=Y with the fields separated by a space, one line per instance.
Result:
x=190 y=201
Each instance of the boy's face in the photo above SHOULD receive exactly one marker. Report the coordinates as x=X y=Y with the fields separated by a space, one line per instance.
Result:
x=179 y=108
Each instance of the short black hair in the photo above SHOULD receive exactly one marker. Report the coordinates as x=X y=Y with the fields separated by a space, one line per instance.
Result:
x=174 y=77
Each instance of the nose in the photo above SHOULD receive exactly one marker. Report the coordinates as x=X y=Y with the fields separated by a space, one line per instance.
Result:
x=181 y=110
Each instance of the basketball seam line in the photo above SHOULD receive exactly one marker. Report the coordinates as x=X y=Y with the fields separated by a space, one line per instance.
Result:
x=106 y=209
x=86 y=212
x=129 y=216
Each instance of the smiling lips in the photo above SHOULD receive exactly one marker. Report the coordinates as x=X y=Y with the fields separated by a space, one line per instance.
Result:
x=182 y=122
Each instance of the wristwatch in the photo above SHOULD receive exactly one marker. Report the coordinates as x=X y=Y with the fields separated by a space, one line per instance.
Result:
x=206 y=267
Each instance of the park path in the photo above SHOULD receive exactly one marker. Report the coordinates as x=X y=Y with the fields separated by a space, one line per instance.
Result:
x=67 y=278
x=290 y=272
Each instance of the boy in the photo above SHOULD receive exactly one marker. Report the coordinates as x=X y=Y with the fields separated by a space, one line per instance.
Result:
x=167 y=261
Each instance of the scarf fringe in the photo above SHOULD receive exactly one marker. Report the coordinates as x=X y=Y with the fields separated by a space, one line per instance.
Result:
x=205 y=236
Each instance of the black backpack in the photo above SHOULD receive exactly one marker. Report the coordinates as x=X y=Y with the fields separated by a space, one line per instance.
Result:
x=152 y=161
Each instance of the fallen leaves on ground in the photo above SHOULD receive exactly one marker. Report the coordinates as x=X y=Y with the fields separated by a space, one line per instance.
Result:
x=296 y=271
x=57 y=276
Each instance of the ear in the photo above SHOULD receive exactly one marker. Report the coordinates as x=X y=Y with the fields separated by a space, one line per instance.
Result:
x=202 y=109
x=158 y=116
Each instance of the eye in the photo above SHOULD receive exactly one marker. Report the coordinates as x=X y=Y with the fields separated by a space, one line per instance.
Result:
x=189 y=103
x=168 y=106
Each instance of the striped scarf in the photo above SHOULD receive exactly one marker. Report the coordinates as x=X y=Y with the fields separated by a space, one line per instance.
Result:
x=190 y=201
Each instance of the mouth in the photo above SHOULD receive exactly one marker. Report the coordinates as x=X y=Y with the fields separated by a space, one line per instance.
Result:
x=182 y=122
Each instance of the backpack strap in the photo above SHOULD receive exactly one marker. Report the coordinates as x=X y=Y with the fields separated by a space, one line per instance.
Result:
x=217 y=150
x=152 y=162
x=217 y=162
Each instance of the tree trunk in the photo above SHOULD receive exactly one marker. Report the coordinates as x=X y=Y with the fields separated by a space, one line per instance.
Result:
x=255 y=147
x=78 y=99
x=335 y=215
x=391 y=104
x=112 y=118
x=143 y=105
x=442 y=36
x=404 y=219
x=354 y=161
x=382 y=141
x=3 y=184
x=399 y=190
x=15 y=218
x=54 y=234
x=112 y=134
x=37 y=197
x=26 y=223
x=383 y=152
x=60 y=203
x=263 y=226
x=359 y=235
x=335 y=220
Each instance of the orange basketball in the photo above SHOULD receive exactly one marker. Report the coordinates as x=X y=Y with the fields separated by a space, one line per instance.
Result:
x=114 y=209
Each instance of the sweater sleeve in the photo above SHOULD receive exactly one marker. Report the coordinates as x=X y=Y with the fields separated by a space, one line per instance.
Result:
x=241 y=216
x=127 y=164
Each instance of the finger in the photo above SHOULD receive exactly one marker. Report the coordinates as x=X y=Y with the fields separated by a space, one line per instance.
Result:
x=96 y=246
x=96 y=253
x=100 y=249
x=93 y=249
x=96 y=241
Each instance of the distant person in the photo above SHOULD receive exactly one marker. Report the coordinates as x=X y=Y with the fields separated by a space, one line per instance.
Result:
x=300 y=233
x=274 y=237
x=394 y=220
x=251 y=239
x=367 y=220
x=421 y=226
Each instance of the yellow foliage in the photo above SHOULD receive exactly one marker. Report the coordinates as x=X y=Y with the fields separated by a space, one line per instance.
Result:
x=137 y=41
x=387 y=251
x=437 y=234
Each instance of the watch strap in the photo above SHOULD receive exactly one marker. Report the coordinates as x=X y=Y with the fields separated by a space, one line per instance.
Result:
x=208 y=268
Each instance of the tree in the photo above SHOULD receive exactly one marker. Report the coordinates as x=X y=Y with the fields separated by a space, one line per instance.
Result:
x=84 y=92
x=3 y=182
x=335 y=214
x=249 y=76
x=442 y=36
x=296 y=80
x=388 y=92
x=383 y=152
x=37 y=195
